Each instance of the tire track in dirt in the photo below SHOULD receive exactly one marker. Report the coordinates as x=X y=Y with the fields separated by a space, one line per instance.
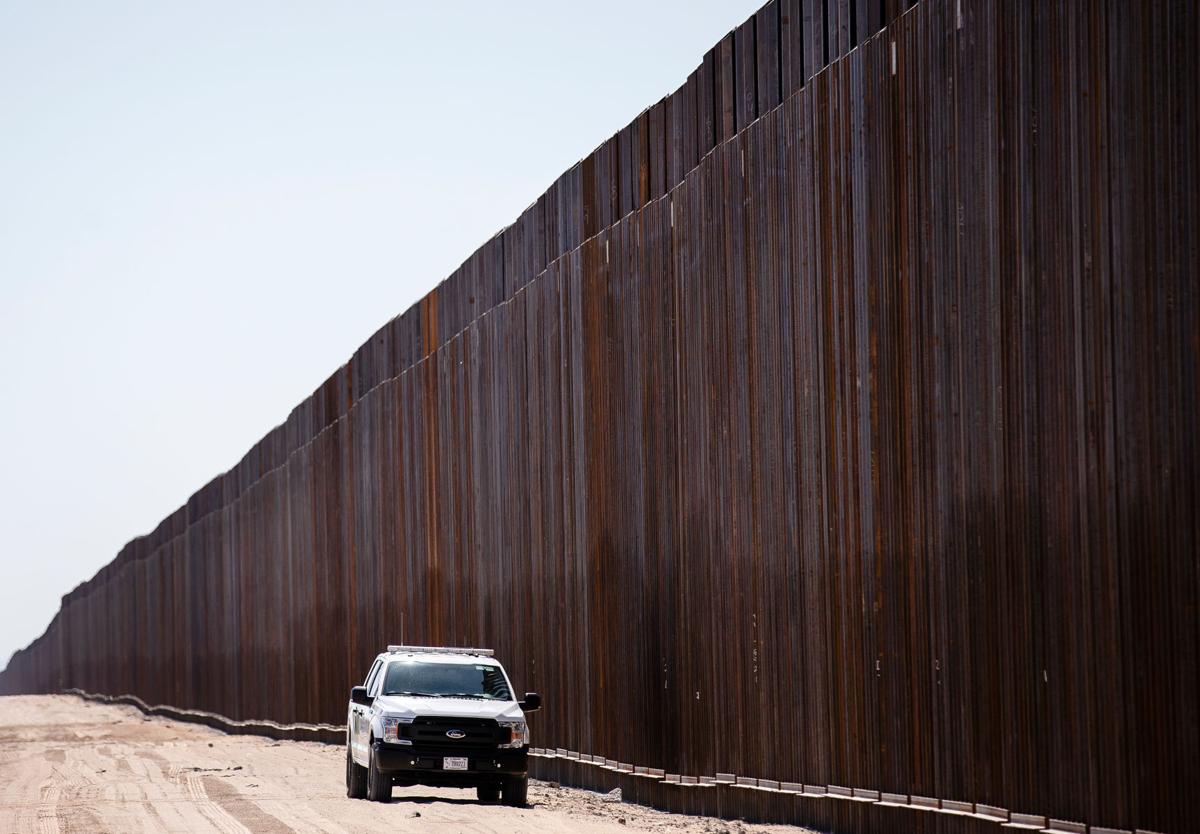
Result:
x=200 y=813
x=244 y=810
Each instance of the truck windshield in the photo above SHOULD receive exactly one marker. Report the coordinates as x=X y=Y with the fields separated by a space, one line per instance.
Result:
x=436 y=680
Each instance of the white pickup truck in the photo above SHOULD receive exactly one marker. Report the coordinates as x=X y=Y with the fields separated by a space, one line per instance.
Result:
x=438 y=716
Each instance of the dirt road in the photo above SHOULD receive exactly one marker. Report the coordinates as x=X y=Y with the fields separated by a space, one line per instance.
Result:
x=69 y=765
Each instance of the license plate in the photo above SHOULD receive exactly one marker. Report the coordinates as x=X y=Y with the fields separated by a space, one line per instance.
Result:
x=454 y=763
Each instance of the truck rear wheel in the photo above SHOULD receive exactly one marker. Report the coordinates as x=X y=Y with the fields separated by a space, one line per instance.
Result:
x=379 y=785
x=487 y=793
x=516 y=791
x=356 y=777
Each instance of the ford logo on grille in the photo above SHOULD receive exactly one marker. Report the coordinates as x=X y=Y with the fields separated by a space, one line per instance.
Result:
x=455 y=734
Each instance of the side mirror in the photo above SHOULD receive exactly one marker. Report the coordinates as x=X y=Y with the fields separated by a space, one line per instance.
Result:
x=359 y=696
x=532 y=702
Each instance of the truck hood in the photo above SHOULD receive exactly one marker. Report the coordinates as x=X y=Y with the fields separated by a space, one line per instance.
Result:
x=407 y=706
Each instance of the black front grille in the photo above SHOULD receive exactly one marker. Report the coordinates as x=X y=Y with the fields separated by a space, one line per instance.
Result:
x=478 y=732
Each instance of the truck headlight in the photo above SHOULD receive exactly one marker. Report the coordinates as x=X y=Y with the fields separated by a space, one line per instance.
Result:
x=391 y=729
x=518 y=733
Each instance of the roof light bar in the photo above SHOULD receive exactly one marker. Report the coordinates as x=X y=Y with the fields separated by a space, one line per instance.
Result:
x=438 y=650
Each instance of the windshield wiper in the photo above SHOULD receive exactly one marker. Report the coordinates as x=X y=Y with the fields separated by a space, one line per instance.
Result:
x=467 y=695
x=416 y=694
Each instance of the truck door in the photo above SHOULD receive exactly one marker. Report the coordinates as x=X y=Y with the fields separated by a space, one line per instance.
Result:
x=360 y=718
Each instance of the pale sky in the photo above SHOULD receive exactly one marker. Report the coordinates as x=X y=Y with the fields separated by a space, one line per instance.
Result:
x=206 y=207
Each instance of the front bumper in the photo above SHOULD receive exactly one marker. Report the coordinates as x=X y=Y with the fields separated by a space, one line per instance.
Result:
x=424 y=764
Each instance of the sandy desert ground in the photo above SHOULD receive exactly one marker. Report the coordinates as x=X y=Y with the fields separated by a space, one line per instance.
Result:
x=69 y=765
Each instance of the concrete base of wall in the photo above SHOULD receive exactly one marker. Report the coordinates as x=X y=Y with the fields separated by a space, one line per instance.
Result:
x=326 y=733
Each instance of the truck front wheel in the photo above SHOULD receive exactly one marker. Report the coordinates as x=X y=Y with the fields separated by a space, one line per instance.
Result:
x=516 y=790
x=379 y=785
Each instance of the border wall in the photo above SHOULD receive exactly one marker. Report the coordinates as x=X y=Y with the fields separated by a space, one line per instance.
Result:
x=823 y=446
